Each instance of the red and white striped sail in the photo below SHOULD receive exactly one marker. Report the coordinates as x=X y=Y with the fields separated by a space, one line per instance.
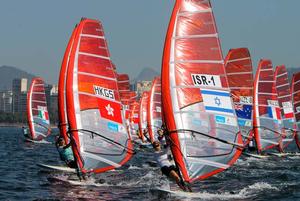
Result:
x=126 y=95
x=37 y=112
x=126 y=99
x=100 y=140
x=154 y=118
x=197 y=107
x=285 y=102
x=143 y=128
x=134 y=109
x=296 y=104
x=238 y=66
x=267 y=117
x=62 y=111
x=123 y=82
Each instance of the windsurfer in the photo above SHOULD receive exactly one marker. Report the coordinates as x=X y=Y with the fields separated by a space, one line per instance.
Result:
x=25 y=132
x=167 y=168
x=65 y=153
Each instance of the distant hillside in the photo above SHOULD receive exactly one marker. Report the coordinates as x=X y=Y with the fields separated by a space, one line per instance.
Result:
x=146 y=74
x=8 y=73
x=291 y=71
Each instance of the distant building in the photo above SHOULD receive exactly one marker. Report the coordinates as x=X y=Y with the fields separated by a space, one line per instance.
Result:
x=6 y=98
x=51 y=96
x=142 y=86
x=19 y=95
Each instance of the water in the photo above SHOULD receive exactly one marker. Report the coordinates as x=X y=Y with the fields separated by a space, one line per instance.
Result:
x=249 y=179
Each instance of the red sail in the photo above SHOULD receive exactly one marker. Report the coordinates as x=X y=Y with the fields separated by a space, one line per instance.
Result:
x=37 y=112
x=267 y=117
x=285 y=102
x=123 y=82
x=143 y=115
x=239 y=73
x=296 y=104
x=62 y=113
x=197 y=107
x=100 y=140
x=134 y=119
x=154 y=116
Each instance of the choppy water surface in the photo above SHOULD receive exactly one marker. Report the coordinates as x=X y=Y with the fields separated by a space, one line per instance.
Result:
x=249 y=179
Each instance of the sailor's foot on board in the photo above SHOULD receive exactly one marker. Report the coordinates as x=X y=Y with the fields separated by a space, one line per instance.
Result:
x=181 y=186
x=184 y=186
x=81 y=176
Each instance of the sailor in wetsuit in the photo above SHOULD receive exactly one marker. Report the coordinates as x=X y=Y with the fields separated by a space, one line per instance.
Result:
x=25 y=132
x=167 y=168
x=65 y=153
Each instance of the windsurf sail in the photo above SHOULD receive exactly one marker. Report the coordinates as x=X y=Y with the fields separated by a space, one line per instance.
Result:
x=62 y=113
x=143 y=129
x=134 y=109
x=285 y=102
x=197 y=107
x=99 y=137
x=123 y=82
x=127 y=98
x=296 y=104
x=238 y=66
x=37 y=112
x=126 y=95
x=267 y=116
x=154 y=118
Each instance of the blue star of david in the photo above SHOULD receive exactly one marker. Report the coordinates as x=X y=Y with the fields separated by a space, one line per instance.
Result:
x=217 y=101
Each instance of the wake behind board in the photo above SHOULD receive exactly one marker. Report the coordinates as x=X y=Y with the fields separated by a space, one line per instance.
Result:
x=57 y=168
x=64 y=179
x=255 y=155
x=279 y=154
x=176 y=193
x=38 y=142
x=201 y=195
x=179 y=193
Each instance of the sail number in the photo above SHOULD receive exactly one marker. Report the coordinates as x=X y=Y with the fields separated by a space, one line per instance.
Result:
x=287 y=104
x=273 y=103
x=104 y=92
x=246 y=99
x=206 y=80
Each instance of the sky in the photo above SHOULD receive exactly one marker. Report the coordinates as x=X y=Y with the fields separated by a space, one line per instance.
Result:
x=34 y=33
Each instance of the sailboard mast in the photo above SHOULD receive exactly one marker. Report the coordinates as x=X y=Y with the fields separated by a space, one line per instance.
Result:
x=62 y=114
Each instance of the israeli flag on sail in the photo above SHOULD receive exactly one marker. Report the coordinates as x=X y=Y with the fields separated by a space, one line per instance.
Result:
x=217 y=101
